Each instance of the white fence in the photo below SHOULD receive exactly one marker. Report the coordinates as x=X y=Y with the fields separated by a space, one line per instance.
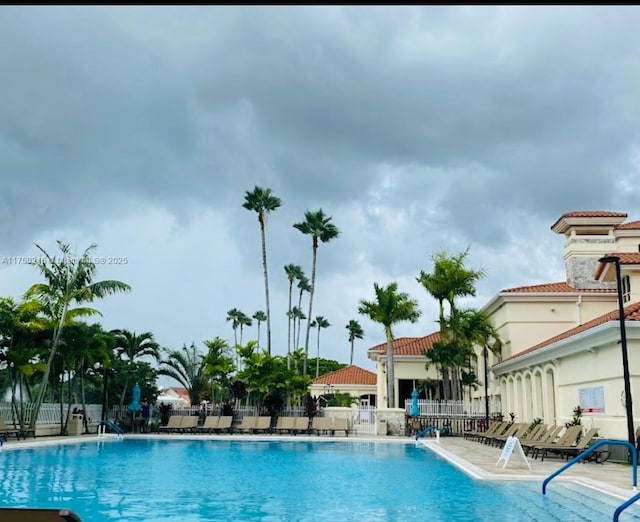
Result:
x=448 y=408
x=49 y=413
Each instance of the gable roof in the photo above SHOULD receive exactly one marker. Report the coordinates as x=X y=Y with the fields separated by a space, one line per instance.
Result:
x=408 y=345
x=559 y=287
x=349 y=375
x=631 y=313
x=631 y=225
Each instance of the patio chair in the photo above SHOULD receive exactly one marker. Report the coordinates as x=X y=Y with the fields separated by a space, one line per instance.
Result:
x=285 y=424
x=499 y=429
x=224 y=424
x=38 y=515
x=572 y=450
x=550 y=435
x=340 y=424
x=189 y=424
x=511 y=430
x=173 y=425
x=321 y=424
x=568 y=438
x=210 y=424
x=472 y=434
x=301 y=425
x=518 y=432
x=247 y=424
x=263 y=424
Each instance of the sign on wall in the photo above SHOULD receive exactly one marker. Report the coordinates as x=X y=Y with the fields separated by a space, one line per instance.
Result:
x=591 y=399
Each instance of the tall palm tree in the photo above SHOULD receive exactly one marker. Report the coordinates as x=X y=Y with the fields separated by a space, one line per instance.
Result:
x=390 y=307
x=260 y=317
x=297 y=315
x=243 y=320
x=261 y=200
x=319 y=227
x=293 y=272
x=69 y=280
x=319 y=322
x=130 y=347
x=355 y=332
x=234 y=315
x=304 y=285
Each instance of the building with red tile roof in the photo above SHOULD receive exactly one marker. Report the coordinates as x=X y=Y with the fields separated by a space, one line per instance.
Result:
x=560 y=340
x=354 y=380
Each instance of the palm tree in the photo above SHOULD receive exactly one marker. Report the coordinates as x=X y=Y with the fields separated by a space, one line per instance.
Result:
x=188 y=368
x=304 y=285
x=262 y=201
x=131 y=346
x=319 y=322
x=243 y=320
x=297 y=315
x=217 y=366
x=293 y=272
x=390 y=307
x=450 y=279
x=69 y=280
x=260 y=317
x=355 y=332
x=318 y=226
x=233 y=315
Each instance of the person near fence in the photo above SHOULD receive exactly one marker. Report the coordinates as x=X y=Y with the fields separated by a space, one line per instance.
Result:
x=145 y=415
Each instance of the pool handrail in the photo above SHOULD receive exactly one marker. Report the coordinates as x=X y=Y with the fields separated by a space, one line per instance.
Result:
x=624 y=505
x=591 y=449
x=426 y=430
x=109 y=424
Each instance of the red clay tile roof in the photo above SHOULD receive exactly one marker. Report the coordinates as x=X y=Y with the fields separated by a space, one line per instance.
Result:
x=631 y=225
x=626 y=258
x=631 y=313
x=349 y=375
x=409 y=345
x=560 y=287
x=587 y=214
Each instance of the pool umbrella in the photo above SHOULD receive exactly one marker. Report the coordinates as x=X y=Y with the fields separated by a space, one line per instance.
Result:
x=415 y=409
x=135 y=403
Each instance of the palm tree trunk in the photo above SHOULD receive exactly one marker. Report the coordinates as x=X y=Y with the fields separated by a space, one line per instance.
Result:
x=47 y=372
x=351 y=359
x=299 y=320
x=289 y=328
x=313 y=289
x=391 y=392
x=266 y=280
x=318 y=356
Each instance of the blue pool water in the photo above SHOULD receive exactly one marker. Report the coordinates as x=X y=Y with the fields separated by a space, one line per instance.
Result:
x=225 y=480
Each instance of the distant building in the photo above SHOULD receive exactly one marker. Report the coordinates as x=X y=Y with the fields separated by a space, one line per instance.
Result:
x=354 y=380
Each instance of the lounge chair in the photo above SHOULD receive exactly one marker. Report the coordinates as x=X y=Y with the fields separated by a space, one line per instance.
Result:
x=189 y=424
x=224 y=424
x=472 y=434
x=210 y=424
x=340 y=424
x=263 y=424
x=572 y=450
x=499 y=430
x=522 y=428
x=247 y=424
x=511 y=430
x=321 y=424
x=38 y=515
x=568 y=438
x=285 y=424
x=301 y=425
x=173 y=425
x=545 y=438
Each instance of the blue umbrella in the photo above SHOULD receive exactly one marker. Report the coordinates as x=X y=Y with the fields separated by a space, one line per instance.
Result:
x=415 y=409
x=135 y=403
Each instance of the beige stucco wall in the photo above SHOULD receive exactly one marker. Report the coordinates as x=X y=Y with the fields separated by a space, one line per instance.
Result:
x=406 y=368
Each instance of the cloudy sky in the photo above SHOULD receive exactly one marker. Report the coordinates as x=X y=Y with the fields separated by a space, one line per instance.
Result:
x=418 y=129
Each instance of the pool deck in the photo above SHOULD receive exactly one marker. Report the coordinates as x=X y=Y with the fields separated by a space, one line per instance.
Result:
x=477 y=459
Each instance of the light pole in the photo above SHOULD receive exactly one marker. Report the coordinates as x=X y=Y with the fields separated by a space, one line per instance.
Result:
x=623 y=342
x=485 y=356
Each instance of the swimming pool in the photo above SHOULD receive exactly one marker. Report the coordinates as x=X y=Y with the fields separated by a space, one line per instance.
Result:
x=249 y=480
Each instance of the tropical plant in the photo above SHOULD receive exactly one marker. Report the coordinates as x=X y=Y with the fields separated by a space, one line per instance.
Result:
x=130 y=347
x=297 y=315
x=293 y=272
x=69 y=281
x=243 y=320
x=188 y=368
x=319 y=322
x=355 y=332
x=259 y=317
x=576 y=416
x=319 y=227
x=262 y=201
x=389 y=308
x=449 y=281
x=304 y=285
x=218 y=365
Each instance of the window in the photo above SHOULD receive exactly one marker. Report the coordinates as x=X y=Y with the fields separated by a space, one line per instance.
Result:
x=626 y=289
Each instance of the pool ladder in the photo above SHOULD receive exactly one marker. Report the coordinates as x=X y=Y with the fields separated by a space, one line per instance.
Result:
x=427 y=430
x=588 y=451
